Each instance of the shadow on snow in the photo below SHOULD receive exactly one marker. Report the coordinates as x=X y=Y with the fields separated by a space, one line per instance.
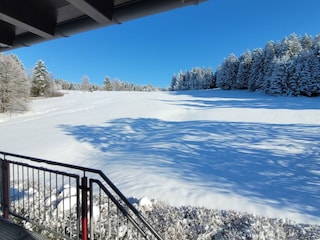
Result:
x=277 y=163
x=241 y=98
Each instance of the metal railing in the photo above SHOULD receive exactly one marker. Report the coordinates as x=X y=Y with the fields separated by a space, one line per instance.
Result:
x=64 y=201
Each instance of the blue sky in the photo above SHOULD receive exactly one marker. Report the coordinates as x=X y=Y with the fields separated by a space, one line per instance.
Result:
x=151 y=49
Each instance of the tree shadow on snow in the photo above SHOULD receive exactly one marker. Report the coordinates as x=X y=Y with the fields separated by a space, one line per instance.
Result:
x=277 y=162
x=243 y=98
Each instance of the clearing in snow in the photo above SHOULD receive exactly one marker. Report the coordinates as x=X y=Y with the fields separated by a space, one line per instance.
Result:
x=232 y=150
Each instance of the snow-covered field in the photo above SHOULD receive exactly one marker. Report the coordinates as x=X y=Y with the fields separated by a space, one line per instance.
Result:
x=232 y=150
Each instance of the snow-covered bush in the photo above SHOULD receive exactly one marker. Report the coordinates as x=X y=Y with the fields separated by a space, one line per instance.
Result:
x=185 y=222
x=197 y=223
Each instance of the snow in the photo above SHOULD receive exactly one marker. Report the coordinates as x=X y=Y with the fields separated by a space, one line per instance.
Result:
x=232 y=150
x=145 y=204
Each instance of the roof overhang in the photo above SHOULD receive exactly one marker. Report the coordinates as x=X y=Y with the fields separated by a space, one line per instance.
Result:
x=27 y=22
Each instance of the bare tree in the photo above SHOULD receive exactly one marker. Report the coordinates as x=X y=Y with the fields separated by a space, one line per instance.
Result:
x=85 y=84
x=14 y=85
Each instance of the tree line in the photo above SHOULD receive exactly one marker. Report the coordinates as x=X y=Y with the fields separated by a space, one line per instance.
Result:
x=16 y=86
x=290 y=67
x=108 y=85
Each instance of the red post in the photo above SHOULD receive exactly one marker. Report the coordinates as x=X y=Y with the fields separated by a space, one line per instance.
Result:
x=84 y=207
x=5 y=188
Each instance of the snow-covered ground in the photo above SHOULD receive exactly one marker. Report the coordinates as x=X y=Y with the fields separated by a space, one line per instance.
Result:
x=232 y=150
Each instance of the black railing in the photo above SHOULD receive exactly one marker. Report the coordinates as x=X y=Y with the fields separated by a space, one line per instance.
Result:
x=56 y=199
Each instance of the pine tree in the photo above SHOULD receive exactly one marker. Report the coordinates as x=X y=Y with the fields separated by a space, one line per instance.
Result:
x=290 y=47
x=278 y=78
x=174 y=83
x=227 y=73
x=209 y=79
x=42 y=83
x=256 y=74
x=304 y=76
x=315 y=68
x=294 y=68
x=107 y=86
x=306 y=43
x=270 y=52
x=245 y=61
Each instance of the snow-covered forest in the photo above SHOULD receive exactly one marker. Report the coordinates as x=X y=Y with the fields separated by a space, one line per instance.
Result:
x=289 y=67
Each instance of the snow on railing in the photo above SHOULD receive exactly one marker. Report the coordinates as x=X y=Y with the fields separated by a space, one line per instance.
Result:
x=64 y=201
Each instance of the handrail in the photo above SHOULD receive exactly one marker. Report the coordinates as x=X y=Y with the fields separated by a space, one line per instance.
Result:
x=85 y=170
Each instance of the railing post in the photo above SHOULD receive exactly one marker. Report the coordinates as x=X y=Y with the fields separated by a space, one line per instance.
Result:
x=5 y=188
x=84 y=207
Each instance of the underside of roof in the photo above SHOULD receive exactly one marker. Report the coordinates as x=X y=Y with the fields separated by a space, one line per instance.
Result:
x=26 y=22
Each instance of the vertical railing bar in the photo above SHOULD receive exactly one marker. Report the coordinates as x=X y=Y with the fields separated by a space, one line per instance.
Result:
x=34 y=191
x=1 y=184
x=18 y=186
x=109 y=227
x=78 y=207
x=50 y=197
x=70 y=208
x=6 y=187
x=39 y=196
x=12 y=182
x=84 y=217
x=23 y=192
x=92 y=229
x=28 y=185
x=128 y=229
x=44 y=196
x=100 y=211
x=63 y=205
x=118 y=222
x=56 y=204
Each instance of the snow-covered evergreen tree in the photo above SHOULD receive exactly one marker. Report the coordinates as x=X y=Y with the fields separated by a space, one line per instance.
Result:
x=290 y=47
x=314 y=85
x=270 y=53
x=197 y=78
x=256 y=74
x=227 y=74
x=306 y=43
x=245 y=61
x=107 y=85
x=42 y=83
x=304 y=76
x=277 y=83
x=298 y=75
x=174 y=83
x=14 y=85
